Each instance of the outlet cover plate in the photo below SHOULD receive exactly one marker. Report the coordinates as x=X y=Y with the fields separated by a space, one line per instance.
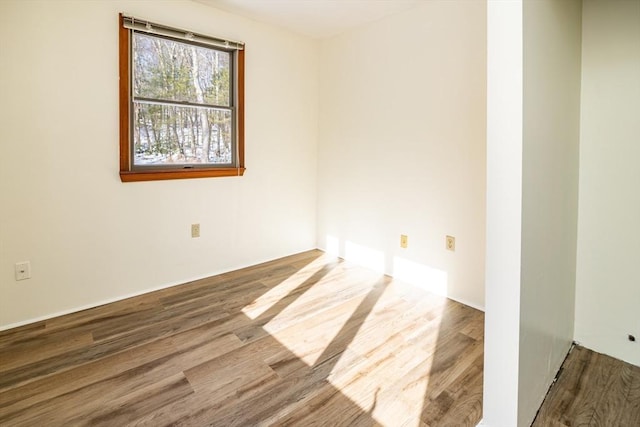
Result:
x=450 y=243
x=23 y=270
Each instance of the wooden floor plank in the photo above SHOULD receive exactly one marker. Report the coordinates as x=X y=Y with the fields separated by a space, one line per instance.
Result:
x=86 y=320
x=115 y=382
x=43 y=347
x=303 y=340
x=195 y=344
x=592 y=389
x=613 y=402
x=561 y=399
x=127 y=408
x=11 y=336
x=630 y=416
x=222 y=322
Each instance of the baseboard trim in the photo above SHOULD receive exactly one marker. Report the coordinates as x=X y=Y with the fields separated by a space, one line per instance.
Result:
x=94 y=305
x=135 y=294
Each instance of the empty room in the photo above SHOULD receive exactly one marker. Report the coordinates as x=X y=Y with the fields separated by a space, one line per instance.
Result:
x=319 y=212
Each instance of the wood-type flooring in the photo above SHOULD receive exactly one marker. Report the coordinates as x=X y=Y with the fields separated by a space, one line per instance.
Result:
x=304 y=340
x=592 y=390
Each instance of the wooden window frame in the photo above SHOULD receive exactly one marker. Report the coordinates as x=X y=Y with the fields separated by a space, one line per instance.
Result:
x=127 y=173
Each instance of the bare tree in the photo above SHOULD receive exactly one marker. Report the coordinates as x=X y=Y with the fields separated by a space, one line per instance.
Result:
x=202 y=114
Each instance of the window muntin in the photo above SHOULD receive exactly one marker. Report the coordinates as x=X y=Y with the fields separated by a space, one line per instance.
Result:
x=183 y=113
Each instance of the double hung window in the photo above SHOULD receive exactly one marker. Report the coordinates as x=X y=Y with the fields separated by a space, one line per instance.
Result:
x=181 y=103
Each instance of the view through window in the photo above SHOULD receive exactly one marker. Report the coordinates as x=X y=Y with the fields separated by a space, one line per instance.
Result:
x=182 y=103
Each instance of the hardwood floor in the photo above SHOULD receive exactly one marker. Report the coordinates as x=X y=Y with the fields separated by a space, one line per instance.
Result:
x=304 y=340
x=592 y=390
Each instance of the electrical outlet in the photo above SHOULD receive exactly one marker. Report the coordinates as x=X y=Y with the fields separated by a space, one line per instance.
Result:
x=195 y=230
x=404 y=241
x=450 y=243
x=23 y=270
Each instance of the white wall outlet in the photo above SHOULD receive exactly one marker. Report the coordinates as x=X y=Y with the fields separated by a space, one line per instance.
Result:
x=404 y=241
x=23 y=270
x=195 y=230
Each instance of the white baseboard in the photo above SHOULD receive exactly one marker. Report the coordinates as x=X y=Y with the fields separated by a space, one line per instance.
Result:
x=134 y=294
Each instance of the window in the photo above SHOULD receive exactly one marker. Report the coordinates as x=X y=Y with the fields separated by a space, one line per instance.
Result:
x=181 y=103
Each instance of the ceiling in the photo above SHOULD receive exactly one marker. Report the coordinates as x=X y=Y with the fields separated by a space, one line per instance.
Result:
x=314 y=18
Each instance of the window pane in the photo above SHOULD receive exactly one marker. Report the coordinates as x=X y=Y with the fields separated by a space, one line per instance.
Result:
x=175 y=135
x=170 y=70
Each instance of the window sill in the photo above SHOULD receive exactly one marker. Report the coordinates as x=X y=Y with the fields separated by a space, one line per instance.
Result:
x=137 y=176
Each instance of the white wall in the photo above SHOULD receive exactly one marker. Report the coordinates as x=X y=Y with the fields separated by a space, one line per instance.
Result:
x=608 y=279
x=402 y=147
x=551 y=134
x=504 y=212
x=91 y=238
x=532 y=187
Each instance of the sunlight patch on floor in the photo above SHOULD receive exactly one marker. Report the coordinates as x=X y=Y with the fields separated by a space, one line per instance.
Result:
x=374 y=380
x=411 y=347
x=347 y=327
x=284 y=288
x=321 y=327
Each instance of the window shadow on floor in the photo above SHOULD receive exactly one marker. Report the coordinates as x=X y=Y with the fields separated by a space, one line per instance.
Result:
x=305 y=340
